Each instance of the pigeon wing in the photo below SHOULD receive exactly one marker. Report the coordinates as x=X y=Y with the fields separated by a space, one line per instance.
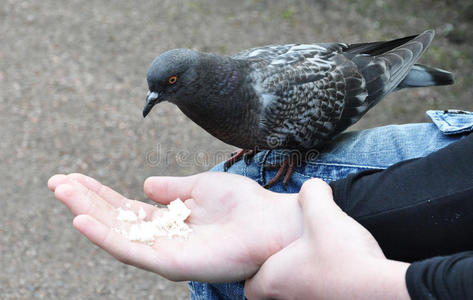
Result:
x=302 y=91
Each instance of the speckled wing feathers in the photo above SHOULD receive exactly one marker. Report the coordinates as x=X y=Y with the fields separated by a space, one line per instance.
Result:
x=309 y=93
x=302 y=89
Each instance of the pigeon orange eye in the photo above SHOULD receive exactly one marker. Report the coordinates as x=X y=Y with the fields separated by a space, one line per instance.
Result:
x=172 y=79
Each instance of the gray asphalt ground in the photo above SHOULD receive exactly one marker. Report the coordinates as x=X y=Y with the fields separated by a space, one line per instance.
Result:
x=72 y=87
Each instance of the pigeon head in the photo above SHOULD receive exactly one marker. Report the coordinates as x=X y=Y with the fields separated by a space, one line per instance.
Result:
x=168 y=76
x=207 y=88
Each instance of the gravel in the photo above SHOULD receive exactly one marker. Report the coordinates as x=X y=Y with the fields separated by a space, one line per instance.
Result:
x=72 y=87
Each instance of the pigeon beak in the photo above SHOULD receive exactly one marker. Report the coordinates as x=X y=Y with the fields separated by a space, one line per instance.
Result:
x=151 y=100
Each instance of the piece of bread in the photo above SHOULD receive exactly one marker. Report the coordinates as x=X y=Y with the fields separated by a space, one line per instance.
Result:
x=170 y=224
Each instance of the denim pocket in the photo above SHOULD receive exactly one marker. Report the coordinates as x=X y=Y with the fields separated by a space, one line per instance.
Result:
x=452 y=121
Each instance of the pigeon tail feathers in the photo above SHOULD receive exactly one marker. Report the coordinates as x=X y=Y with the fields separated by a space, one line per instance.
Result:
x=422 y=76
x=382 y=66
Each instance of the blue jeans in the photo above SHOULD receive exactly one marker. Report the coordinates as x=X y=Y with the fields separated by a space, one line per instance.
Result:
x=350 y=152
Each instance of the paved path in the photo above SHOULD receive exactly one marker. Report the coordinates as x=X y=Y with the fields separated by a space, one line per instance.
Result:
x=72 y=86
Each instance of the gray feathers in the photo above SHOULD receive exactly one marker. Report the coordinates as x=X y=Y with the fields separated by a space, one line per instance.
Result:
x=300 y=95
x=422 y=76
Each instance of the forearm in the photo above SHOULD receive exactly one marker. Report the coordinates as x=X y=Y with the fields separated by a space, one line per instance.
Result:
x=364 y=279
x=449 y=277
x=418 y=208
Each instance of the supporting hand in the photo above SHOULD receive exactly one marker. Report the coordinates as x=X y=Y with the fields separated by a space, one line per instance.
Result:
x=335 y=258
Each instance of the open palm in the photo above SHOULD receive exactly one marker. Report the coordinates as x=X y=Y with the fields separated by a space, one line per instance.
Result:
x=236 y=224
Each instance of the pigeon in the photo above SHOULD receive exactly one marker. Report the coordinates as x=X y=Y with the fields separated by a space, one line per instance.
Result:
x=294 y=96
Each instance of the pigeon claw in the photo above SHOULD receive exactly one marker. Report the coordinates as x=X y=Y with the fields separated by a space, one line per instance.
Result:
x=286 y=168
x=248 y=155
x=244 y=154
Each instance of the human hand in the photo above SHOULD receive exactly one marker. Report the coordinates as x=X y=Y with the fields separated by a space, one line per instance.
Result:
x=335 y=258
x=236 y=224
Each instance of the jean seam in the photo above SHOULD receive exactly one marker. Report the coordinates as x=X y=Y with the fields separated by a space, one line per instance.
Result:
x=325 y=178
x=303 y=175
x=423 y=201
x=262 y=178
x=443 y=119
x=347 y=165
x=204 y=292
x=445 y=126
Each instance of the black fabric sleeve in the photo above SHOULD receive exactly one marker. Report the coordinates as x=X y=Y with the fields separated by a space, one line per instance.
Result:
x=418 y=208
x=449 y=277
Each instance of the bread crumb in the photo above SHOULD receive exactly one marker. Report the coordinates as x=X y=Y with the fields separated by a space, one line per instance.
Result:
x=171 y=224
x=141 y=214
x=126 y=215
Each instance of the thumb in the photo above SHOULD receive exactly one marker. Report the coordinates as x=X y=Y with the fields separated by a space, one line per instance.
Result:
x=164 y=189
x=316 y=201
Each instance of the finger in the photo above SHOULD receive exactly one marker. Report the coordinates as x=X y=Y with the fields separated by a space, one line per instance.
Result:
x=56 y=180
x=111 y=196
x=103 y=191
x=107 y=194
x=83 y=201
x=131 y=253
x=166 y=189
x=169 y=258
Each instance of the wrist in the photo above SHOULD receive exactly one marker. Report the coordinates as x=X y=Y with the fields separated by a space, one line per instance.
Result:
x=286 y=222
x=382 y=279
x=364 y=278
